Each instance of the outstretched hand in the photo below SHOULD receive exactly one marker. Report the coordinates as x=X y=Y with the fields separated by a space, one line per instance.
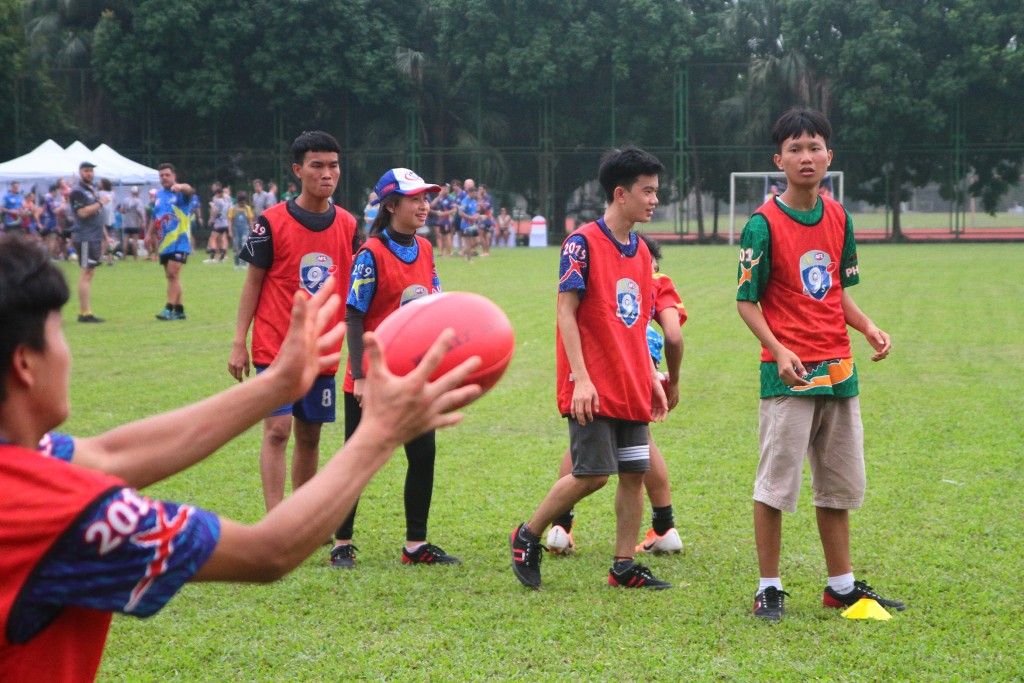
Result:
x=312 y=344
x=398 y=409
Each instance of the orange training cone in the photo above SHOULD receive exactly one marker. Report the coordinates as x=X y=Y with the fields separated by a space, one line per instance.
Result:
x=866 y=608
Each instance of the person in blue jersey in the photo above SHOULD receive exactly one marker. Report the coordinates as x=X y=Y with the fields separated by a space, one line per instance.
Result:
x=468 y=213
x=13 y=207
x=79 y=542
x=170 y=235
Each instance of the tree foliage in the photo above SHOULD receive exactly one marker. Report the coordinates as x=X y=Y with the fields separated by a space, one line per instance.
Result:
x=502 y=88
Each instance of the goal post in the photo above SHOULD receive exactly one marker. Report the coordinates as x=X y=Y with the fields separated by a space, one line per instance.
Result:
x=836 y=178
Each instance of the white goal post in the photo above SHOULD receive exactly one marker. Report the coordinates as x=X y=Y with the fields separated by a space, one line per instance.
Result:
x=837 y=183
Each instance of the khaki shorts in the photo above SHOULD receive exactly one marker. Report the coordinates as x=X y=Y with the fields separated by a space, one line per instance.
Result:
x=829 y=433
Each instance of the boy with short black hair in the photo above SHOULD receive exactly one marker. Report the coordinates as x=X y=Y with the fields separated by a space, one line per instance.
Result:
x=79 y=542
x=797 y=259
x=607 y=383
x=294 y=245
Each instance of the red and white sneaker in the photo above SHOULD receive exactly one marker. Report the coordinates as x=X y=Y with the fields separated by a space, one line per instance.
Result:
x=560 y=541
x=669 y=542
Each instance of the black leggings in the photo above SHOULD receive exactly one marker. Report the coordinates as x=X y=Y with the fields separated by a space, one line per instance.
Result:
x=419 y=478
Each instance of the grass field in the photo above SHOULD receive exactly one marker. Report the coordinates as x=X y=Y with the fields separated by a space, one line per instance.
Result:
x=871 y=222
x=942 y=526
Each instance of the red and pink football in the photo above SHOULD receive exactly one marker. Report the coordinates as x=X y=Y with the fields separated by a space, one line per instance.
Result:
x=481 y=329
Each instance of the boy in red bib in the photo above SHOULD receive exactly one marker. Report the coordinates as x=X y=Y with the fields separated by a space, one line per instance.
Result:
x=78 y=542
x=607 y=382
x=797 y=260
x=296 y=245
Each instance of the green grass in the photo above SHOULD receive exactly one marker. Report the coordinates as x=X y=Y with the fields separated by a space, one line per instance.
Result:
x=872 y=222
x=941 y=527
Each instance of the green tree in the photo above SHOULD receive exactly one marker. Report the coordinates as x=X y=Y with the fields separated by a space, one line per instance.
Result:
x=902 y=72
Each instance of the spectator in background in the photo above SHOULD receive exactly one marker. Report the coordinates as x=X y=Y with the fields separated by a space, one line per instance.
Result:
x=504 y=221
x=89 y=235
x=261 y=199
x=217 y=245
x=291 y=193
x=442 y=208
x=468 y=229
x=48 y=227
x=133 y=218
x=272 y=191
x=106 y=191
x=12 y=207
x=369 y=216
x=485 y=220
x=240 y=221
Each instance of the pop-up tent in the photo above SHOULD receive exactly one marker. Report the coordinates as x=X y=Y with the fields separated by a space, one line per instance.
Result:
x=47 y=162
x=111 y=164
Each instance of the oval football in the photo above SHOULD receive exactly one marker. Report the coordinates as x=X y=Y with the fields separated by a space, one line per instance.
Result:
x=481 y=329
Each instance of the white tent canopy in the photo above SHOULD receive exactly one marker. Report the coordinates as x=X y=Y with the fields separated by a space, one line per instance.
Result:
x=79 y=152
x=47 y=162
x=111 y=164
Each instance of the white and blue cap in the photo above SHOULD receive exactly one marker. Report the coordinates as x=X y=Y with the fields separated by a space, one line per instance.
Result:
x=401 y=181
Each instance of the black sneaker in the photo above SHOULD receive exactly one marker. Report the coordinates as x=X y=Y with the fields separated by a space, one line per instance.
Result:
x=860 y=590
x=90 y=319
x=770 y=604
x=343 y=556
x=428 y=553
x=636 y=576
x=526 y=557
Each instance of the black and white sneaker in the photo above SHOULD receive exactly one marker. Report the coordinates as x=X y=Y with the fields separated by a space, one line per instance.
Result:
x=428 y=553
x=860 y=590
x=526 y=556
x=343 y=556
x=770 y=604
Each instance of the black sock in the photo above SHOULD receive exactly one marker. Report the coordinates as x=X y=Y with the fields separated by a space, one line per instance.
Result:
x=662 y=519
x=169 y=307
x=179 y=308
x=564 y=520
x=622 y=565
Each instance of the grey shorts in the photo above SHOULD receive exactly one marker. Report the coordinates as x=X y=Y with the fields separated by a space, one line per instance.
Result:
x=90 y=253
x=608 y=446
x=829 y=433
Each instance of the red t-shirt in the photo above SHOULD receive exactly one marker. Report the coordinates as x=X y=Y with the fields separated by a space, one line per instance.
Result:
x=42 y=498
x=666 y=296
x=302 y=260
x=612 y=318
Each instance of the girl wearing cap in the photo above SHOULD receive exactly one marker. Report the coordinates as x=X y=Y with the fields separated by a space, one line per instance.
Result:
x=394 y=267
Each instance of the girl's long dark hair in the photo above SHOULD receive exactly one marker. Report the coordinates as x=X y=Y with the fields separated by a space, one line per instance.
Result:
x=383 y=219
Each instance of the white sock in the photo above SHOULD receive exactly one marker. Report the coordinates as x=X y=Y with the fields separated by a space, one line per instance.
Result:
x=764 y=583
x=841 y=584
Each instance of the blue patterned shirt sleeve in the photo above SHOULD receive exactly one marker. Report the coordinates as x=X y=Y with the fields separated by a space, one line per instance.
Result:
x=57 y=445
x=127 y=554
x=363 y=282
x=572 y=270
